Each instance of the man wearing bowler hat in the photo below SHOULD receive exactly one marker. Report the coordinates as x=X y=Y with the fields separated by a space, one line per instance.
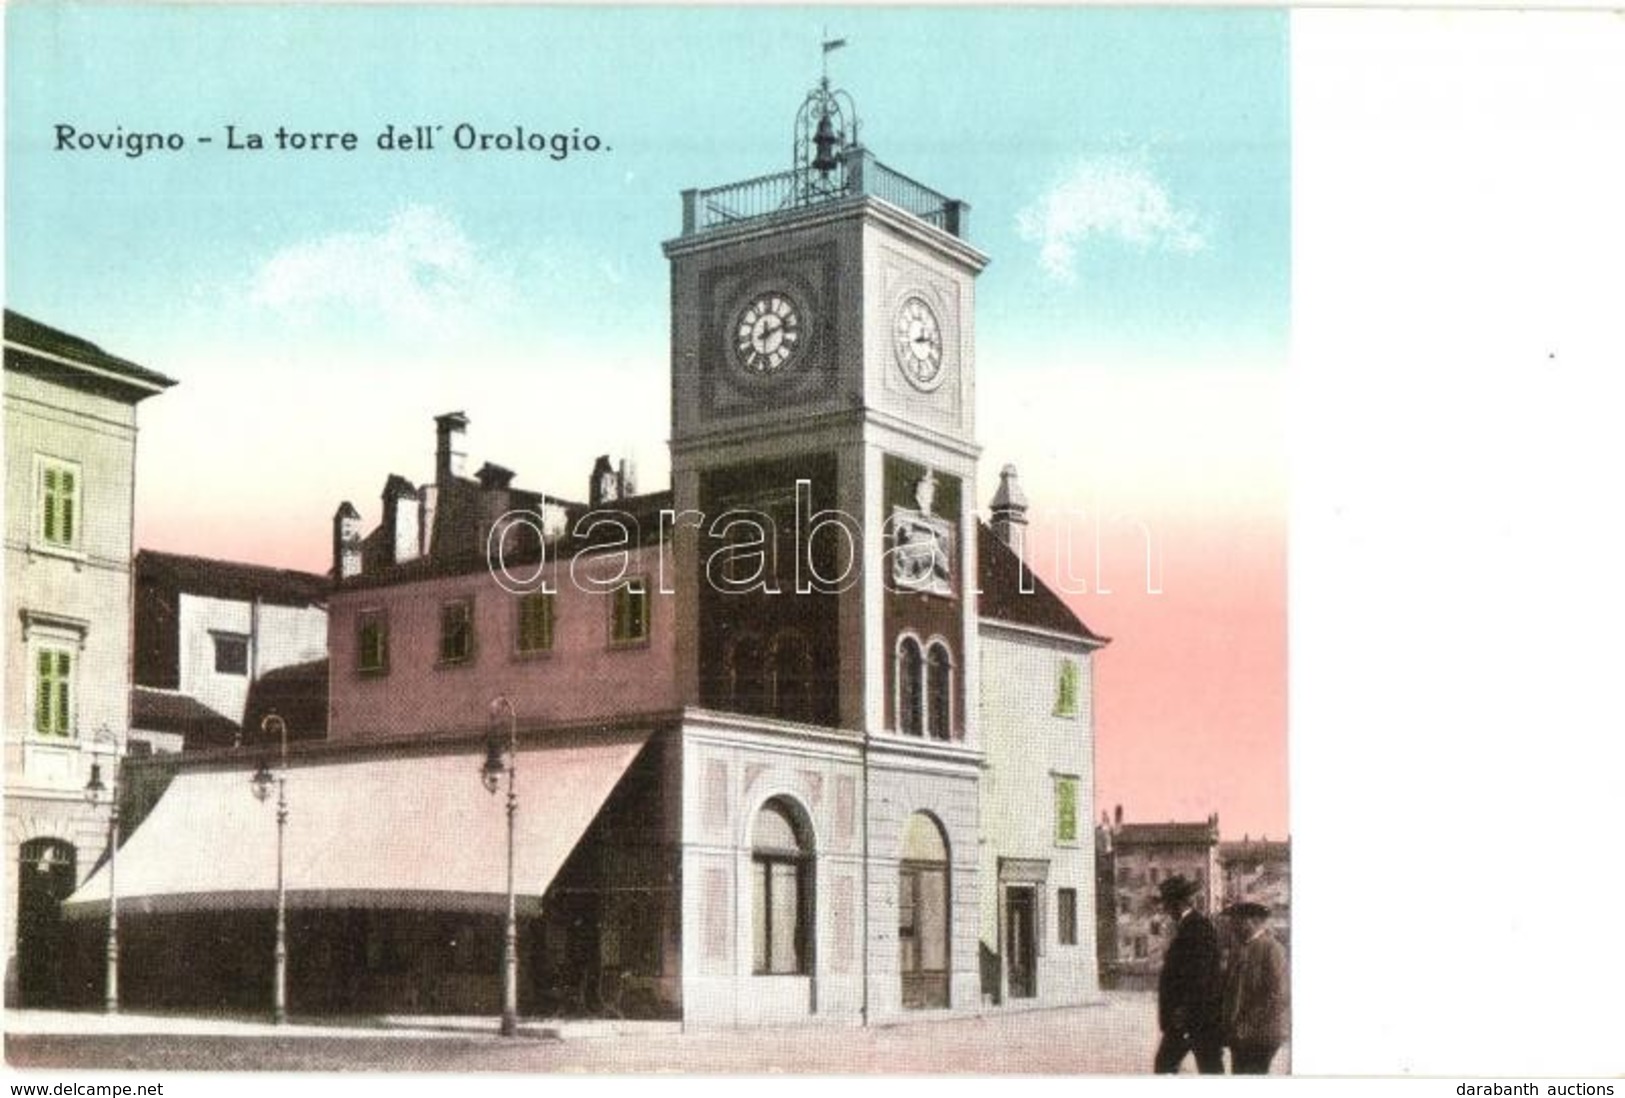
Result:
x=1190 y=987
x=1255 y=992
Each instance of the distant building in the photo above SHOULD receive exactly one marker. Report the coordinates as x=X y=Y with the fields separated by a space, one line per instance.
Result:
x=1142 y=857
x=1133 y=859
x=70 y=441
x=207 y=633
x=1260 y=870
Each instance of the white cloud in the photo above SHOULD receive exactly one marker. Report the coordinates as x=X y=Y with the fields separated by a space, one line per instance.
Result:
x=419 y=271
x=1115 y=196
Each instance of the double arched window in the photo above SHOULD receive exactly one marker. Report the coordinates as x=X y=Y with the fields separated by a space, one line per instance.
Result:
x=925 y=688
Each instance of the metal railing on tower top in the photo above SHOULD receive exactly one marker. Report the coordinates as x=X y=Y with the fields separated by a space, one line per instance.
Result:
x=797 y=189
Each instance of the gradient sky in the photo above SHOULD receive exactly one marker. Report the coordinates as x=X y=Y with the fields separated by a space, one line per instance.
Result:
x=1128 y=172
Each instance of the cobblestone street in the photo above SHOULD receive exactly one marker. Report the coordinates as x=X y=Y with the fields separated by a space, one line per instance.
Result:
x=1117 y=1036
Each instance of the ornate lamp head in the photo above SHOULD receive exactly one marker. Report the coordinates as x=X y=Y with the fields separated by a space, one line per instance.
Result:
x=94 y=788
x=261 y=781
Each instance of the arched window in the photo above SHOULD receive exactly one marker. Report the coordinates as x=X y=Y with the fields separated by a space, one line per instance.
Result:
x=910 y=687
x=782 y=892
x=939 y=691
x=792 y=677
x=922 y=909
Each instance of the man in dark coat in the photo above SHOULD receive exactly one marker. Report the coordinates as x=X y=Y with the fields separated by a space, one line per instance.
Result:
x=1190 y=989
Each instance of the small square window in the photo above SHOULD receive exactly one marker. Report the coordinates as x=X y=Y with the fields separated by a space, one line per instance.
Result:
x=372 y=643
x=629 y=623
x=456 y=631
x=230 y=654
x=535 y=632
x=1066 y=916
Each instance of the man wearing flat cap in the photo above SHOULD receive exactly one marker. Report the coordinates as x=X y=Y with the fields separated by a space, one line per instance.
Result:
x=1189 y=989
x=1255 y=992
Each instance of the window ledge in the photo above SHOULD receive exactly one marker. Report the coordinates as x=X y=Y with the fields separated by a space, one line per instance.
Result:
x=44 y=549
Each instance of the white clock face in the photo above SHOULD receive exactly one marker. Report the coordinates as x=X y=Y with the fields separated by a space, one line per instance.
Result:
x=767 y=334
x=917 y=340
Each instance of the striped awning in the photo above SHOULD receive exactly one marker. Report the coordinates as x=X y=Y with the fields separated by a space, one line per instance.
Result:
x=397 y=831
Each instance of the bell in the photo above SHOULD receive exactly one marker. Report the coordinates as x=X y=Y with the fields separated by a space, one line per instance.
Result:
x=825 y=160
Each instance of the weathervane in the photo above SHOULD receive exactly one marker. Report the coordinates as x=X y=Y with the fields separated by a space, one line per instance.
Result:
x=826 y=126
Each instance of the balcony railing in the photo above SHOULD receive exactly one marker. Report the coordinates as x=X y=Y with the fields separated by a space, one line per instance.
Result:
x=783 y=192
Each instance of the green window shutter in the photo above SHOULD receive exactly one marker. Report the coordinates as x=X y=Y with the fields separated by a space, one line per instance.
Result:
x=66 y=508
x=1066 y=694
x=42 y=696
x=1066 y=810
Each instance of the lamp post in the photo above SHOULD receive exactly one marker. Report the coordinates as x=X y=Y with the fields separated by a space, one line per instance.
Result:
x=262 y=789
x=93 y=793
x=491 y=774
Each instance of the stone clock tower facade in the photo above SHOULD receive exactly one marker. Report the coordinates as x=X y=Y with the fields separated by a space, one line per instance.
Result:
x=823 y=465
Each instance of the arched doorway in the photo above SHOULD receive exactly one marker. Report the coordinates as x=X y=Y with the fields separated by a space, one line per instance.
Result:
x=47 y=870
x=923 y=908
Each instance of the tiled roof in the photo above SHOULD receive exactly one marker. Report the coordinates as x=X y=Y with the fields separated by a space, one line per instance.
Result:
x=30 y=333
x=457 y=548
x=154 y=710
x=297 y=694
x=225 y=579
x=1164 y=834
x=1255 y=850
x=1002 y=597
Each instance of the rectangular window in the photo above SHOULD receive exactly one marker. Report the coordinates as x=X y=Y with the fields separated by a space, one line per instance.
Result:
x=1066 y=690
x=230 y=654
x=535 y=622
x=456 y=631
x=780 y=916
x=58 y=503
x=629 y=623
x=53 y=692
x=372 y=643
x=1066 y=916
x=1066 y=810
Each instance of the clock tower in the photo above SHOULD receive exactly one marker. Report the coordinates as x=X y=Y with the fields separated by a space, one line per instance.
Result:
x=823 y=356
x=824 y=548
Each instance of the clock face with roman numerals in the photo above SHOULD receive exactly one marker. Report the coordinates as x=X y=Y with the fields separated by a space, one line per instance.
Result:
x=917 y=341
x=767 y=334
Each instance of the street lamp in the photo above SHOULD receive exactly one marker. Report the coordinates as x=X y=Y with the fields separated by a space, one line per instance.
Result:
x=93 y=793
x=491 y=774
x=262 y=789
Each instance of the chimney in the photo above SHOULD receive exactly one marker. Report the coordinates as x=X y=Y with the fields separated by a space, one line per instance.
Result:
x=603 y=486
x=494 y=477
x=1010 y=512
x=450 y=450
x=629 y=478
x=346 y=541
x=401 y=519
